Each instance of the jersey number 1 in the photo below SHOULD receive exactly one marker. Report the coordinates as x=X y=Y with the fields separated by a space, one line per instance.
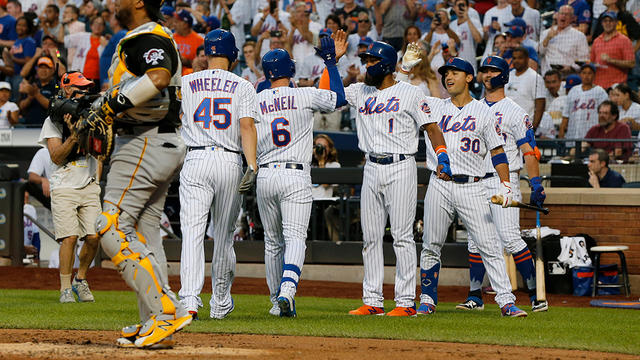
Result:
x=204 y=115
x=280 y=135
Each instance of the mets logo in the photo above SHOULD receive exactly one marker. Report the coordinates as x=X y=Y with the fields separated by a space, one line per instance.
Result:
x=498 y=131
x=213 y=49
x=488 y=60
x=425 y=108
x=450 y=61
x=527 y=122
x=153 y=56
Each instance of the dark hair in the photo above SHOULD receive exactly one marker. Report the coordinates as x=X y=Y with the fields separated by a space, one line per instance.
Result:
x=332 y=153
x=335 y=18
x=624 y=88
x=553 y=72
x=602 y=156
x=73 y=8
x=31 y=28
x=55 y=8
x=614 y=108
x=16 y=2
x=521 y=49
x=404 y=37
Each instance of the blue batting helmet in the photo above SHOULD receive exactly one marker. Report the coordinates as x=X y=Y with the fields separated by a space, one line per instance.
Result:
x=222 y=43
x=456 y=63
x=387 y=55
x=278 y=64
x=500 y=64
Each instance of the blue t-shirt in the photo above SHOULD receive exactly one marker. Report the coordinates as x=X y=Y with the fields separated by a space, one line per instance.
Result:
x=8 y=28
x=612 y=179
x=22 y=48
x=424 y=23
x=107 y=54
x=581 y=10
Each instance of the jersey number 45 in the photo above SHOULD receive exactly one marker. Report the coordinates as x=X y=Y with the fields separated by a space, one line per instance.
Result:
x=204 y=113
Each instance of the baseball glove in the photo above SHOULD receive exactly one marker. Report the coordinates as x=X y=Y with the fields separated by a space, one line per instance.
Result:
x=247 y=180
x=95 y=134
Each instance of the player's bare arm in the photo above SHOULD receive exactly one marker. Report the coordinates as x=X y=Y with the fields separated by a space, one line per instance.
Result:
x=249 y=139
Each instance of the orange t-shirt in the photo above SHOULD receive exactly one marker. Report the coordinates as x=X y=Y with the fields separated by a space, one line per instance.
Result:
x=188 y=45
x=92 y=63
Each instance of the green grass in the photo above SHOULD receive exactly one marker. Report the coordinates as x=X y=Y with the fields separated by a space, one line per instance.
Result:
x=612 y=330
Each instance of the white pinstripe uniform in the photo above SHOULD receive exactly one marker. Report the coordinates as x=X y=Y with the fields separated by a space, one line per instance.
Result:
x=469 y=133
x=582 y=111
x=283 y=188
x=213 y=102
x=514 y=123
x=388 y=123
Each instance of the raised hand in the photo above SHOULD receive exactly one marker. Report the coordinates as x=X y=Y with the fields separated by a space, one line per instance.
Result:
x=411 y=57
x=340 y=43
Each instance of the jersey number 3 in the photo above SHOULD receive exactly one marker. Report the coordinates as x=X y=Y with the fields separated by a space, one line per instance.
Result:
x=204 y=114
x=280 y=135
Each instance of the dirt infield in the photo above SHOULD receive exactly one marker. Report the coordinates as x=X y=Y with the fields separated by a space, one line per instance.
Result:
x=59 y=344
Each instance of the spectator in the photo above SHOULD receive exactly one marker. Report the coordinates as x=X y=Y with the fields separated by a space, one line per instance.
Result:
x=303 y=33
x=14 y=8
x=581 y=12
x=85 y=49
x=8 y=110
x=37 y=92
x=364 y=30
x=187 y=40
x=625 y=23
x=610 y=128
x=426 y=10
x=562 y=45
x=519 y=22
x=75 y=196
x=600 y=176
x=411 y=34
x=349 y=14
x=277 y=39
x=580 y=113
x=613 y=52
x=107 y=54
x=628 y=105
x=529 y=15
x=499 y=45
x=396 y=16
x=50 y=21
x=39 y=173
x=325 y=155
x=526 y=86
x=169 y=14
x=50 y=49
x=469 y=30
x=7 y=27
x=89 y=10
x=424 y=77
x=493 y=19
x=252 y=72
x=22 y=51
x=70 y=21
x=266 y=22
x=515 y=37
x=553 y=85
x=440 y=30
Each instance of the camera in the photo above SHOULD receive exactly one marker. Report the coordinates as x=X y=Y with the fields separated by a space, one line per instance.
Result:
x=78 y=107
x=438 y=19
x=319 y=149
x=276 y=33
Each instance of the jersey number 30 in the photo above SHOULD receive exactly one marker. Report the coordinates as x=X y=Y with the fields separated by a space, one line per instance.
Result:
x=280 y=135
x=204 y=114
x=468 y=144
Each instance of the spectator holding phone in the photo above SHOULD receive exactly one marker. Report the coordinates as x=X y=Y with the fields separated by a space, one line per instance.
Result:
x=491 y=25
x=269 y=19
x=440 y=30
x=469 y=30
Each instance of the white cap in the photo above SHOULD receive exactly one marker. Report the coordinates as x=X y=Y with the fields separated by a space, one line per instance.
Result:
x=5 y=85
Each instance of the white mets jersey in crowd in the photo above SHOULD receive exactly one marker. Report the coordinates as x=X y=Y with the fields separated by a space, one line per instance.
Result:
x=514 y=123
x=206 y=96
x=389 y=120
x=582 y=110
x=469 y=133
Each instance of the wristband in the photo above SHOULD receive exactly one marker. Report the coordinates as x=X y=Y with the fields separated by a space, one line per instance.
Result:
x=441 y=149
x=499 y=159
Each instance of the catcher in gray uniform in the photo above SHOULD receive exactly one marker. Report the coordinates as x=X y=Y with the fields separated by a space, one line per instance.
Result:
x=142 y=106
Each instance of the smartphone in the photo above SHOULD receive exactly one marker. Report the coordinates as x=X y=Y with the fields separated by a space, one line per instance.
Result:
x=273 y=5
x=491 y=29
x=438 y=19
x=276 y=33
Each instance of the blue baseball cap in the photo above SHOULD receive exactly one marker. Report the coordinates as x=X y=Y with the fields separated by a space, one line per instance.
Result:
x=610 y=14
x=325 y=32
x=365 y=41
x=185 y=16
x=571 y=81
x=518 y=21
x=167 y=10
x=515 y=31
x=212 y=22
x=592 y=66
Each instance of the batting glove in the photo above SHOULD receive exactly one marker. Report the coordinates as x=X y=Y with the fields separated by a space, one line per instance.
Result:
x=443 y=159
x=537 y=192
x=411 y=57
x=327 y=51
x=507 y=194
x=247 y=180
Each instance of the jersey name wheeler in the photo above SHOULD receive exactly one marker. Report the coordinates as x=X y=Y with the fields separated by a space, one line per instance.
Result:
x=469 y=133
x=213 y=102
x=285 y=129
x=514 y=123
x=389 y=120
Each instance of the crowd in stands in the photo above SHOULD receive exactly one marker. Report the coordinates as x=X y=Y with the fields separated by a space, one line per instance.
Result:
x=559 y=51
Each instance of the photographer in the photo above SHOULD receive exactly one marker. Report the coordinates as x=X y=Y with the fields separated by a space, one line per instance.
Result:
x=36 y=92
x=326 y=156
x=75 y=195
x=440 y=30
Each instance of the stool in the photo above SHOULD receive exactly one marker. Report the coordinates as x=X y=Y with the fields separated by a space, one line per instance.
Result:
x=618 y=249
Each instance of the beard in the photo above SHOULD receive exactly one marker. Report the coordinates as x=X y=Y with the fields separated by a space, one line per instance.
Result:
x=124 y=16
x=372 y=81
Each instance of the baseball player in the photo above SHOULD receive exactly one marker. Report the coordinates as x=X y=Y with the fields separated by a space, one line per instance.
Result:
x=285 y=147
x=143 y=102
x=390 y=116
x=517 y=132
x=470 y=132
x=218 y=109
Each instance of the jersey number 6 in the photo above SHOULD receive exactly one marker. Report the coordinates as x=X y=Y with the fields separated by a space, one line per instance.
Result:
x=280 y=135
x=203 y=113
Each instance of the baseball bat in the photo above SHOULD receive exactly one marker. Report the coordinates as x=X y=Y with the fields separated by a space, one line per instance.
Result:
x=497 y=199
x=541 y=293
x=511 y=271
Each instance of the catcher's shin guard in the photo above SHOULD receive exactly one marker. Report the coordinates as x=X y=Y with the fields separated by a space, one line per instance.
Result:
x=137 y=265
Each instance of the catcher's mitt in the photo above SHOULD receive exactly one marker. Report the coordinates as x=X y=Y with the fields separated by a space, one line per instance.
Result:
x=95 y=134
